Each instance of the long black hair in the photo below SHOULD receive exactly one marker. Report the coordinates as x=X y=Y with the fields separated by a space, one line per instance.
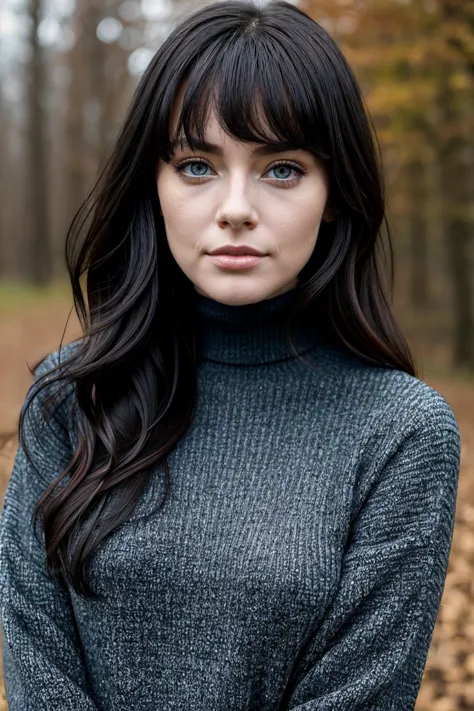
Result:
x=134 y=371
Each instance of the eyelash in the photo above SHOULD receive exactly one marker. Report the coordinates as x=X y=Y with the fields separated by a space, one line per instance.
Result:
x=285 y=183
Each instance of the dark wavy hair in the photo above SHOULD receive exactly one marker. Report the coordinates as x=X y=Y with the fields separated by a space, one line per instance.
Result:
x=134 y=371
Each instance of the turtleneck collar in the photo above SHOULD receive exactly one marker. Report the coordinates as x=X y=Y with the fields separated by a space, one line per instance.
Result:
x=250 y=334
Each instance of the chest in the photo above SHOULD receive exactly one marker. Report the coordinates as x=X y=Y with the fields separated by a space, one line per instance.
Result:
x=264 y=529
x=256 y=518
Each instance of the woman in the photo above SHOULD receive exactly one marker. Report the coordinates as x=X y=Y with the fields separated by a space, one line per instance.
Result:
x=247 y=496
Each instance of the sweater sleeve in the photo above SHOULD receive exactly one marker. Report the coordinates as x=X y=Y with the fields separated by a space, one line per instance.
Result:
x=43 y=663
x=370 y=651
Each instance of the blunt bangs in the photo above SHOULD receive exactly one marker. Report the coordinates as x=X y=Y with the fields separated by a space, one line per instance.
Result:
x=258 y=93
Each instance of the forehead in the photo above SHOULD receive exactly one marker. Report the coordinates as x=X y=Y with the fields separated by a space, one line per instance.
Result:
x=214 y=132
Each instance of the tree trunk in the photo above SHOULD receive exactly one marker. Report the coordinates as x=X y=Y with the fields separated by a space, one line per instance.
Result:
x=37 y=265
x=419 y=286
x=457 y=165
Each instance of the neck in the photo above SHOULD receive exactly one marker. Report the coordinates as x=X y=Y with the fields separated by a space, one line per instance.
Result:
x=251 y=334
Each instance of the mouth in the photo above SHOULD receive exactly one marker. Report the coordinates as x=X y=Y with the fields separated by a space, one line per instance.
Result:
x=236 y=261
x=243 y=249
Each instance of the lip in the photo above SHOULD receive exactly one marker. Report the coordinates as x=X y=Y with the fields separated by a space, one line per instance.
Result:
x=236 y=262
x=234 y=250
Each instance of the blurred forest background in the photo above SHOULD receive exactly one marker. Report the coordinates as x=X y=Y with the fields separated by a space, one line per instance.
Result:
x=68 y=69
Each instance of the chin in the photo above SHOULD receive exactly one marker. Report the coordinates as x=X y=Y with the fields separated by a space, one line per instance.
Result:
x=238 y=297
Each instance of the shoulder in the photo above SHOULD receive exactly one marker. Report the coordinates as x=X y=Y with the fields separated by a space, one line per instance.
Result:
x=46 y=383
x=389 y=400
x=404 y=398
x=408 y=435
x=48 y=406
x=411 y=422
x=57 y=358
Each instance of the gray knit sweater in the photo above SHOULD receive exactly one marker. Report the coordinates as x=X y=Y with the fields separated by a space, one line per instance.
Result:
x=298 y=564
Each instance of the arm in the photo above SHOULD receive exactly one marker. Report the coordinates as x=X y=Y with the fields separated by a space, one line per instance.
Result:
x=43 y=663
x=370 y=651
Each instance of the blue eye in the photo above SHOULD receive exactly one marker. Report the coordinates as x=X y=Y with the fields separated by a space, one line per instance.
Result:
x=198 y=170
x=283 y=168
x=195 y=174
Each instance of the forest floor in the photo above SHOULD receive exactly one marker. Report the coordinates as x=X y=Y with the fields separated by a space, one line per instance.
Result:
x=31 y=326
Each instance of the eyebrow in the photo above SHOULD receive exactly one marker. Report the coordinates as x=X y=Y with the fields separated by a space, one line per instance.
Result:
x=264 y=150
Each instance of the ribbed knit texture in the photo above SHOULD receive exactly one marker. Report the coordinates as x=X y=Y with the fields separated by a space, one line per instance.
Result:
x=298 y=564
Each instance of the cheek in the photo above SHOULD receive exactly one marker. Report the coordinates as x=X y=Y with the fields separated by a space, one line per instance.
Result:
x=166 y=195
x=169 y=191
x=297 y=226
x=299 y=222
x=181 y=214
x=303 y=206
x=183 y=225
x=313 y=202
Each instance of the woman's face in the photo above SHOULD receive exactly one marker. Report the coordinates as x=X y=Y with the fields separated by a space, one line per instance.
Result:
x=231 y=194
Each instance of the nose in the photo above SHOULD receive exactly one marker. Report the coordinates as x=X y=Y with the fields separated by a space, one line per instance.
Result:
x=236 y=209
